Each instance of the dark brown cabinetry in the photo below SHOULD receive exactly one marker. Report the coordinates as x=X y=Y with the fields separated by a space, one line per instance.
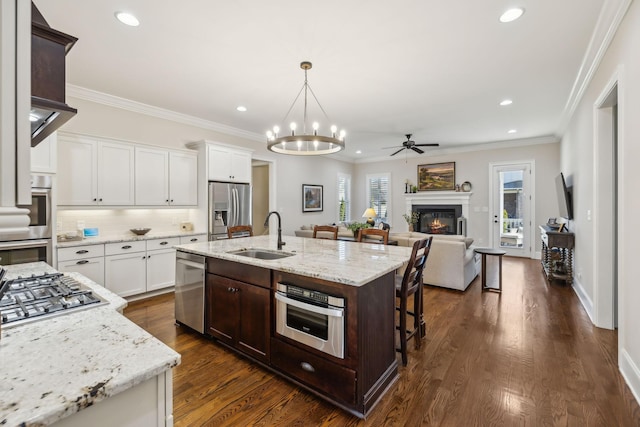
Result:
x=239 y=313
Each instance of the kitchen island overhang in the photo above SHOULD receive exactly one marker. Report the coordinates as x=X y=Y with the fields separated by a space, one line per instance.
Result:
x=359 y=274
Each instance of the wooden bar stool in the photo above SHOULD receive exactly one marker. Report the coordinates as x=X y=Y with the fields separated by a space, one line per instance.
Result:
x=239 y=231
x=326 y=232
x=410 y=283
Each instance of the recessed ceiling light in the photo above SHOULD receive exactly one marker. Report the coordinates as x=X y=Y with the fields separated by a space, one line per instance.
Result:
x=506 y=102
x=512 y=131
x=511 y=14
x=127 y=19
x=359 y=152
x=241 y=108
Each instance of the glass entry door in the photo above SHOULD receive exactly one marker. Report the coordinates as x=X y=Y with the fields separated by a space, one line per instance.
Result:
x=512 y=200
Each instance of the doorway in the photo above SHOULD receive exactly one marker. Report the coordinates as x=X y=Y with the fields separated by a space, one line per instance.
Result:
x=511 y=204
x=606 y=120
x=260 y=173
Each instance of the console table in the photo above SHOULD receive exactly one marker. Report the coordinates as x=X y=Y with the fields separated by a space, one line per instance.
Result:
x=557 y=254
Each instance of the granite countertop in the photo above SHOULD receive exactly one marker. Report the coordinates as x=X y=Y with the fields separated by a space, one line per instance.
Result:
x=338 y=261
x=57 y=366
x=126 y=237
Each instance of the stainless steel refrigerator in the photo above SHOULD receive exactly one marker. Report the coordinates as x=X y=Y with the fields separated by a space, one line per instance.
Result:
x=229 y=205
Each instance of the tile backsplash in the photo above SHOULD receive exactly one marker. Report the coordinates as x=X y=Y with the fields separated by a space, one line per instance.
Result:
x=119 y=221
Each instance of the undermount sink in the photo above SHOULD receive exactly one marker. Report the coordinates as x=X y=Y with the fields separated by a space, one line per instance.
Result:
x=261 y=253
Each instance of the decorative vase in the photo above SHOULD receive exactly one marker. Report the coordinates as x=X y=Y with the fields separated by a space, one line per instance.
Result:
x=410 y=228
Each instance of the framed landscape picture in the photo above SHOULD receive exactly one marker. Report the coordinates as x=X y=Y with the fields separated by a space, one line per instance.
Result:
x=437 y=177
x=311 y=198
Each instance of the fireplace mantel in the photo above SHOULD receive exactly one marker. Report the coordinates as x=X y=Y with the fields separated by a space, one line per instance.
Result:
x=440 y=198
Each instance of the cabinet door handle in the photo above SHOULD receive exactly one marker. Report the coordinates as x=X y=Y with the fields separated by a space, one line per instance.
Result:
x=126 y=247
x=171 y=200
x=195 y=239
x=307 y=367
x=164 y=243
x=83 y=251
x=84 y=261
x=101 y=199
x=167 y=201
x=95 y=200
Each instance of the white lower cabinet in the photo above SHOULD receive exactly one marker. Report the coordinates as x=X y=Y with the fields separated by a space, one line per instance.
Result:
x=92 y=268
x=161 y=263
x=87 y=260
x=125 y=267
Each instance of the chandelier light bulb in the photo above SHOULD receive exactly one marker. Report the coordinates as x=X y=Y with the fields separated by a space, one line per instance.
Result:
x=269 y=135
x=315 y=129
x=299 y=144
x=342 y=134
x=315 y=144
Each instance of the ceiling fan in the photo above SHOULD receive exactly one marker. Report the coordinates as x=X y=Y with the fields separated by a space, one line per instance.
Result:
x=411 y=145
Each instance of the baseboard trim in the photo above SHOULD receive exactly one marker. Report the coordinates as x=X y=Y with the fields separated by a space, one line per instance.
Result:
x=586 y=302
x=630 y=373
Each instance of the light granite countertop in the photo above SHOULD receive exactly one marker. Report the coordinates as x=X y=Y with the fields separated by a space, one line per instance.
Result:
x=349 y=263
x=126 y=237
x=57 y=366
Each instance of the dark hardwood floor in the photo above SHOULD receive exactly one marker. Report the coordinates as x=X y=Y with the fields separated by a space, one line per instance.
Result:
x=527 y=357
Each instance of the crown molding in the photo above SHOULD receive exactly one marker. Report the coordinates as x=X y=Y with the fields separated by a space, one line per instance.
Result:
x=611 y=16
x=513 y=143
x=161 y=113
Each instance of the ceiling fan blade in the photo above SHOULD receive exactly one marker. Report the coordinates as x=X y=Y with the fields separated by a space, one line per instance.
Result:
x=395 y=146
x=427 y=145
x=403 y=148
x=417 y=150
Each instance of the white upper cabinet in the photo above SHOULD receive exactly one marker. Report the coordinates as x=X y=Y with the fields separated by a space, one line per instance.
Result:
x=166 y=178
x=183 y=179
x=94 y=172
x=115 y=174
x=43 y=155
x=108 y=173
x=228 y=164
x=152 y=176
x=78 y=171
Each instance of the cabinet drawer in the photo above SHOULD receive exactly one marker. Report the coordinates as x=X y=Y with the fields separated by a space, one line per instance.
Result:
x=79 y=252
x=167 y=243
x=193 y=239
x=333 y=380
x=545 y=238
x=93 y=268
x=125 y=247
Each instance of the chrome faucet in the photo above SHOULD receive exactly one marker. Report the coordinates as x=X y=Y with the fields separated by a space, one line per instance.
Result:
x=266 y=224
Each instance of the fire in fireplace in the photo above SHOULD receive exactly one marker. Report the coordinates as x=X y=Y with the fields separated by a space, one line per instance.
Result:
x=438 y=219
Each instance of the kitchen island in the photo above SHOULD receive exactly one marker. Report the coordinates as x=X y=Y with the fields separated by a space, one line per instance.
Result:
x=322 y=316
x=90 y=367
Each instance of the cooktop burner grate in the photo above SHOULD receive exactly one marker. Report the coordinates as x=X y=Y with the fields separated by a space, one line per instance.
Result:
x=31 y=298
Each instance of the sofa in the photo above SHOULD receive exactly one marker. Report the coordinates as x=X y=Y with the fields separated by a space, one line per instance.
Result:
x=452 y=263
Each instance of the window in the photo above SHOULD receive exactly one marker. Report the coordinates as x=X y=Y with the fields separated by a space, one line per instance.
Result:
x=379 y=195
x=344 y=197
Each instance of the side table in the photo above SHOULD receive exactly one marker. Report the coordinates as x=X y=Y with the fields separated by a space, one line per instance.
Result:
x=493 y=252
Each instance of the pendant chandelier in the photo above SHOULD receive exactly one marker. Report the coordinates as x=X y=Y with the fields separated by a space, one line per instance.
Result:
x=305 y=143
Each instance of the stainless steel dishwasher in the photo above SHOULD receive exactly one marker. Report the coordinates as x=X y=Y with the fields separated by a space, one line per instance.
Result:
x=189 y=290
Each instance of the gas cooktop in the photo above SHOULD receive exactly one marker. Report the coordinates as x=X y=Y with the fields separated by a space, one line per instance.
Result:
x=37 y=297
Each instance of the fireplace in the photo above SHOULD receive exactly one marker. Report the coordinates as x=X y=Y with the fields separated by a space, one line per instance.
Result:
x=438 y=219
x=440 y=199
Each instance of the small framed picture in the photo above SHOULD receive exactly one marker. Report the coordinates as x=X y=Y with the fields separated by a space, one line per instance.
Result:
x=311 y=198
x=437 y=177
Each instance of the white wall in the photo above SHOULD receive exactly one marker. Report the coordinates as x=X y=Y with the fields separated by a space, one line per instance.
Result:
x=472 y=166
x=578 y=161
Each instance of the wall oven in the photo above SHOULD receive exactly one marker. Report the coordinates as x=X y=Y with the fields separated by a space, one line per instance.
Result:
x=34 y=244
x=312 y=318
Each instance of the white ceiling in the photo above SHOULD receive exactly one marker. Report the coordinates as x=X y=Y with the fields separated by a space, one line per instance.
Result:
x=436 y=69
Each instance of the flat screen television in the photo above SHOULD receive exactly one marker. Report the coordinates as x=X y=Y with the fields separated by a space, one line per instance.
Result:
x=564 y=197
